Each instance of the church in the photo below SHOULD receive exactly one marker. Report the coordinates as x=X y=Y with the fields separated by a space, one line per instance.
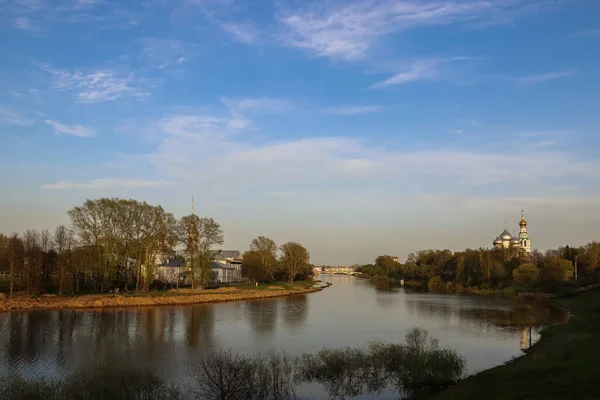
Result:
x=506 y=240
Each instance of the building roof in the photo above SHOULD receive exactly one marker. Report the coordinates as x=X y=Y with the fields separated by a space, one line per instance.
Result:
x=225 y=253
x=215 y=265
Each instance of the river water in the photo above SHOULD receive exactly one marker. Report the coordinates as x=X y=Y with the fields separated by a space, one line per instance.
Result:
x=169 y=340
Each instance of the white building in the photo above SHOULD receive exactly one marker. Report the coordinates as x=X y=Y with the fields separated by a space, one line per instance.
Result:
x=506 y=240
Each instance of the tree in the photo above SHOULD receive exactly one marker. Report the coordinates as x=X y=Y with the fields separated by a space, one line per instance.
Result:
x=387 y=263
x=526 y=274
x=15 y=253
x=252 y=266
x=294 y=258
x=436 y=285
x=557 y=270
x=63 y=240
x=266 y=250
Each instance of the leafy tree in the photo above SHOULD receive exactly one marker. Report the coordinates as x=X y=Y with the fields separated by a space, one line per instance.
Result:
x=266 y=249
x=294 y=259
x=526 y=274
x=436 y=285
x=252 y=266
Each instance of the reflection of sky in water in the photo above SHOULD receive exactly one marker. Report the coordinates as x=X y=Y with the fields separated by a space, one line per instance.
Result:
x=170 y=340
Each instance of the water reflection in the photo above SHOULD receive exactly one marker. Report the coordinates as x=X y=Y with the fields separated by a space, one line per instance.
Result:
x=295 y=310
x=169 y=340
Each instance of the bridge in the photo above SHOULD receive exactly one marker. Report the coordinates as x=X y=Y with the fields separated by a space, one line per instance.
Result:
x=341 y=270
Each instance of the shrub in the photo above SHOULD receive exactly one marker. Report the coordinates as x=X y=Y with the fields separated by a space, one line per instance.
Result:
x=436 y=285
x=449 y=287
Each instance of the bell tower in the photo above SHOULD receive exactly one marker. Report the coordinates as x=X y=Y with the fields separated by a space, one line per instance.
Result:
x=524 y=241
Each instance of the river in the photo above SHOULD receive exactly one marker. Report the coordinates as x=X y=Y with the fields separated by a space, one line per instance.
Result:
x=169 y=340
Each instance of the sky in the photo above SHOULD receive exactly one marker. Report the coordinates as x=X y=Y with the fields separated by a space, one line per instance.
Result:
x=356 y=128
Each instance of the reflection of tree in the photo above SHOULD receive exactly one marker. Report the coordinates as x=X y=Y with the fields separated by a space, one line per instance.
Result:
x=514 y=317
x=295 y=309
x=200 y=324
x=262 y=315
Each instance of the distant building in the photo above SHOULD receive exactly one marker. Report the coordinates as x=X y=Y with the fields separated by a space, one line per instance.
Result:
x=505 y=240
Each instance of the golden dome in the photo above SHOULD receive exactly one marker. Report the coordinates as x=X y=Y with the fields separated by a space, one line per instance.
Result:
x=523 y=222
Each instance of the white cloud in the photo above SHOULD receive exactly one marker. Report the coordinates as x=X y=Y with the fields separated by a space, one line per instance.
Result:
x=73 y=130
x=456 y=131
x=539 y=78
x=348 y=31
x=106 y=183
x=243 y=32
x=97 y=85
x=10 y=116
x=353 y=110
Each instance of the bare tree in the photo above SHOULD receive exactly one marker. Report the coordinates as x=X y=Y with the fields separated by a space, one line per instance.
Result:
x=210 y=234
x=266 y=249
x=294 y=257
x=31 y=240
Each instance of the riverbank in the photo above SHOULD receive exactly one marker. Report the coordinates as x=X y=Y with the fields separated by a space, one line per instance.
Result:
x=171 y=297
x=562 y=365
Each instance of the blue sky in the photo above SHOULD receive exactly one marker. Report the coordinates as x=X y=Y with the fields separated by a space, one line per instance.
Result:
x=354 y=127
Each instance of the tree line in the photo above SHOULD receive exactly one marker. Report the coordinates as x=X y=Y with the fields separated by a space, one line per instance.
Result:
x=494 y=269
x=113 y=242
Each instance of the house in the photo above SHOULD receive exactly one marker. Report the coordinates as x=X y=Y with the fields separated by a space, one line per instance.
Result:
x=170 y=270
x=226 y=266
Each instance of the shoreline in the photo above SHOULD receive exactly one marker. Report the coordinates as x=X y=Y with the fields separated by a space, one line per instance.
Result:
x=102 y=301
x=561 y=364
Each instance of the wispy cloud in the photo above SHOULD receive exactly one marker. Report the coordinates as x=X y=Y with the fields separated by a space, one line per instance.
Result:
x=72 y=130
x=243 y=32
x=456 y=131
x=198 y=150
x=9 y=116
x=349 y=31
x=106 y=183
x=421 y=70
x=257 y=104
x=166 y=53
x=97 y=86
x=25 y=24
x=539 y=78
x=353 y=110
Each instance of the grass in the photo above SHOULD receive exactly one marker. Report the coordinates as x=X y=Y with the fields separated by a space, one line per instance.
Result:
x=281 y=285
x=565 y=364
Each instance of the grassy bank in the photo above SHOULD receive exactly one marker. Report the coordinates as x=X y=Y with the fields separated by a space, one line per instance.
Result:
x=565 y=364
x=23 y=302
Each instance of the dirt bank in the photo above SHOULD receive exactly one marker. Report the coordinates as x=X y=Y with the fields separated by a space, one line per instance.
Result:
x=24 y=302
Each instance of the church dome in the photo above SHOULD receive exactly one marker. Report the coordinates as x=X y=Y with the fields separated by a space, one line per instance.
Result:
x=497 y=241
x=515 y=241
x=506 y=235
x=523 y=222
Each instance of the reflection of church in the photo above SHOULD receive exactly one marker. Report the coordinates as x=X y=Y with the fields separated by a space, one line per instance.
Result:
x=505 y=240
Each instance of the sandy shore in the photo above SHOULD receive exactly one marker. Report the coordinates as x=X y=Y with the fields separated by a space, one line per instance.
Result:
x=184 y=296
